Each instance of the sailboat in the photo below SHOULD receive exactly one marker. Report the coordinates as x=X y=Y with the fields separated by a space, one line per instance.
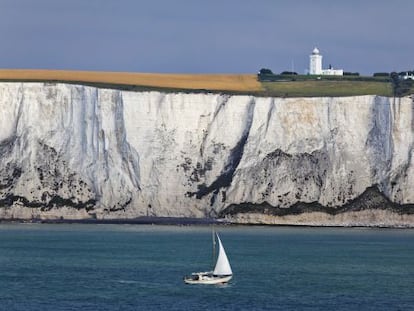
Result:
x=222 y=272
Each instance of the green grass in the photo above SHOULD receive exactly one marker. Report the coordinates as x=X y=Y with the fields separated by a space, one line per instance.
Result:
x=276 y=78
x=322 y=88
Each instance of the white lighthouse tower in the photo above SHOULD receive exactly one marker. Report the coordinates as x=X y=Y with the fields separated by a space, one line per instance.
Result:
x=315 y=64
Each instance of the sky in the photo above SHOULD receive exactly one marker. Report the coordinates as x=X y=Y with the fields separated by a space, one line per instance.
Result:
x=206 y=36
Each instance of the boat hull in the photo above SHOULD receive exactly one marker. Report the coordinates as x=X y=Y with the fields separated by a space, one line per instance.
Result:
x=208 y=280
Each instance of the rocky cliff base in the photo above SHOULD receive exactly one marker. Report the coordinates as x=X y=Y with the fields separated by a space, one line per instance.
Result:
x=367 y=218
x=371 y=209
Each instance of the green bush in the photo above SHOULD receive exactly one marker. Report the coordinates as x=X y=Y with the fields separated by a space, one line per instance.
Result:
x=381 y=74
x=346 y=73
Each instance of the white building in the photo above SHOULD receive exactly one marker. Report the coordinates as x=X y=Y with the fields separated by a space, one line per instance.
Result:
x=408 y=75
x=315 y=65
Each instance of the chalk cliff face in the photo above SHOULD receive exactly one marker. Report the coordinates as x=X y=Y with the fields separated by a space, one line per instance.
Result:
x=70 y=151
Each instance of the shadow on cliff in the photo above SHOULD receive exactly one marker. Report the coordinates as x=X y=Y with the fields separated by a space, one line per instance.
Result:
x=372 y=198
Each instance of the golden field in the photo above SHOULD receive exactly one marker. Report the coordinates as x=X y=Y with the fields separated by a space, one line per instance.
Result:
x=215 y=82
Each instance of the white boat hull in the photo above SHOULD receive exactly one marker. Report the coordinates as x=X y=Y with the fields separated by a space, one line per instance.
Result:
x=208 y=279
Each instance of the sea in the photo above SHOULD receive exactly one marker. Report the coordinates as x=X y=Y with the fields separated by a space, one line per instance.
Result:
x=141 y=267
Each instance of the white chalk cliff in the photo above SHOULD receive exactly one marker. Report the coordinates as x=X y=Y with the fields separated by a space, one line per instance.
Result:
x=75 y=152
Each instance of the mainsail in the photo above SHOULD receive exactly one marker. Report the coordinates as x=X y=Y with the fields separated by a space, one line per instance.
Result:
x=222 y=265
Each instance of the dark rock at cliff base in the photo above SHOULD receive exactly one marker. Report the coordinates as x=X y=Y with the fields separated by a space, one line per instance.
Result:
x=370 y=199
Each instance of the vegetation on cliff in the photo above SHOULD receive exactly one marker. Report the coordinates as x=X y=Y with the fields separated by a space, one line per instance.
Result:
x=264 y=84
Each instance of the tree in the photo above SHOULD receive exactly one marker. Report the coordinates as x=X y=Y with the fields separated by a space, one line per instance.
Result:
x=265 y=71
x=289 y=73
x=381 y=74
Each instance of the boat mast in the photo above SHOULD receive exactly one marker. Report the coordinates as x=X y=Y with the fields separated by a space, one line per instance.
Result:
x=213 y=235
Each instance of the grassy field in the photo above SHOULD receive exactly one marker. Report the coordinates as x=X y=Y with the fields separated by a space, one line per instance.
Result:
x=326 y=88
x=226 y=83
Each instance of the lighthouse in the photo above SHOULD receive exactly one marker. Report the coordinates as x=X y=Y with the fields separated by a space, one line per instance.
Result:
x=315 y=64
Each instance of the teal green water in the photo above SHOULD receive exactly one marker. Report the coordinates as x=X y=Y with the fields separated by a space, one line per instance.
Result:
x=139 y=267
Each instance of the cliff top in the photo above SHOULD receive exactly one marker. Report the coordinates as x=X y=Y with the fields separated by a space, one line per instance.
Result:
x=227 y=83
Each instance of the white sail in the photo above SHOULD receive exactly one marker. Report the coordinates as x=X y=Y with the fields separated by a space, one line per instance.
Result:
x=222 y=265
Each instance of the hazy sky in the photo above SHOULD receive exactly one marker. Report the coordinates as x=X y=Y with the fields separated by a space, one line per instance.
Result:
x=206 y=36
